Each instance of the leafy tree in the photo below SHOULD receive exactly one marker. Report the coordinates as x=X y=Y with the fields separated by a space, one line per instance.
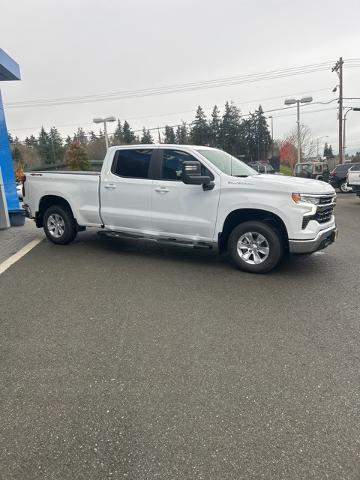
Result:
x=181 y=135
x=76 y=157
x=118 y=138
x=215 y=127
x=146 y=137
x=200 y=129
x=129 y=136
x=10 y=138
x=169 y=136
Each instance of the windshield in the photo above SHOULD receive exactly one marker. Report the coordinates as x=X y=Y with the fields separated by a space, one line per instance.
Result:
x=227 y=163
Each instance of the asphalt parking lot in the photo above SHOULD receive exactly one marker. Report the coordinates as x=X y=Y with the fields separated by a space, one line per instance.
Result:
x=132 y=360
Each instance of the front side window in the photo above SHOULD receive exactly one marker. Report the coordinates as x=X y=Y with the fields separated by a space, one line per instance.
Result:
x=355 y=168
x=318 y=168
x=172 y=165
x=227 y=163
x=132 y=163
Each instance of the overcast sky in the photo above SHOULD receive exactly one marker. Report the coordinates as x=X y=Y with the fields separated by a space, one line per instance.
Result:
x=86 y=47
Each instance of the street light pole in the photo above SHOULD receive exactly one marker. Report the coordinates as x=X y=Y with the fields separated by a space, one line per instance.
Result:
x=292 y=101
x=105 y=121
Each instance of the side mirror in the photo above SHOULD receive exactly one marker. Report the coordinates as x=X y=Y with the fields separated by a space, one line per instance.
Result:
x=191 y=175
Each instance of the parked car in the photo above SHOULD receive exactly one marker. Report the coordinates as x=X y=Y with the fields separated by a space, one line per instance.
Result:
x=19 y=190
x=187 y=195
x=353 y=178
x=262 y=167
x=314 y=170
x=338 y=177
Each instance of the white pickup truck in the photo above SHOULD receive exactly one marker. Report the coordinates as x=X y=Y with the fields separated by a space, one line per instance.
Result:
x=187 y=195
x=353 y=179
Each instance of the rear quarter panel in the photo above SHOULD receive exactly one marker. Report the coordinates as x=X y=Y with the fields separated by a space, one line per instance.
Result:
x=80 y=190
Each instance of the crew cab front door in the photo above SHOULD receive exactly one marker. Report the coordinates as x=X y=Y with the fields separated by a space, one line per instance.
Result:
x=179 y=210
x=125 y=191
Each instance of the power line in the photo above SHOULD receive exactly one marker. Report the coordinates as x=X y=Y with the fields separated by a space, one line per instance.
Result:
x=178 y=88
x=186 y=111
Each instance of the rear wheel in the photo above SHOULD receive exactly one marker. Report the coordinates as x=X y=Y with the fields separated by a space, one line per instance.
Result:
x=255 y=247
x=59 y=225
x=344 y=187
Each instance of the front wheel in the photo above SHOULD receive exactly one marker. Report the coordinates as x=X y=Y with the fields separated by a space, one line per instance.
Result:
x=59 y=225
x=255 y=247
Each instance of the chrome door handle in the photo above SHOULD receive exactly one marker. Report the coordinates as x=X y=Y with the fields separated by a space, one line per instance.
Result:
x=161 y=190
x=110 y=186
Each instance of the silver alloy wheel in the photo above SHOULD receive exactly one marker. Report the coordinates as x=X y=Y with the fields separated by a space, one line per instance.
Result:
x=253 y=248
x=56 y=225
x=344 y=187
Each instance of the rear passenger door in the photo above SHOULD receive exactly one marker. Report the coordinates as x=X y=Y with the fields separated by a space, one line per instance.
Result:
x=125 y=191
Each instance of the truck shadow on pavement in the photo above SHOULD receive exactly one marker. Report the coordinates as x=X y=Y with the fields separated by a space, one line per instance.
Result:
x=304 y=265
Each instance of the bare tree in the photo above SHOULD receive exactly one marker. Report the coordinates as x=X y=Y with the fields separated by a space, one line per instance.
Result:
x=308 y=144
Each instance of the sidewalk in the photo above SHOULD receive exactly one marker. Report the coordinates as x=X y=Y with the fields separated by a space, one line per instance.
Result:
x=15 y=238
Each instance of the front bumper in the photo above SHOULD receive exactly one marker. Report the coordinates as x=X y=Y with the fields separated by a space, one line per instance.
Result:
x=322 y=240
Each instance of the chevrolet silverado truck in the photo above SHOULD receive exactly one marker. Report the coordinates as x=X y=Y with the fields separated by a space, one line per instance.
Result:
x=353 y=179
x=187 y=195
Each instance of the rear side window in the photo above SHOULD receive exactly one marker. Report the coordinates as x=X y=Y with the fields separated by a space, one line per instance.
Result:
x=132 y=163
x=172 y=165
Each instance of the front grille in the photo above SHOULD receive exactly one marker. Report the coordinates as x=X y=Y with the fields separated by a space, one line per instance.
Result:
x=326 y=199
x=324 y=211
x=324 y=214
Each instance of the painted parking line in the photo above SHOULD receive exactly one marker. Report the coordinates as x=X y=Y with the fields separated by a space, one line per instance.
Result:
x=14 y=258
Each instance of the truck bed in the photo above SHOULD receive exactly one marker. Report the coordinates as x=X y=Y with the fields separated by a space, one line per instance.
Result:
x=79 y=189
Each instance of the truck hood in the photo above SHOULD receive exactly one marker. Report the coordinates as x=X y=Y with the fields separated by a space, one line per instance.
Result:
x=290 y=184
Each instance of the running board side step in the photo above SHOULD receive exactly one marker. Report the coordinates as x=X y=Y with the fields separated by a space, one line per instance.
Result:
x=161 y=240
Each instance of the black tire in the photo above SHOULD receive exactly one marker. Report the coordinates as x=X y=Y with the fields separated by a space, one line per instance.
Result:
x=343 y=187
x=273 y=240
x=69 y=230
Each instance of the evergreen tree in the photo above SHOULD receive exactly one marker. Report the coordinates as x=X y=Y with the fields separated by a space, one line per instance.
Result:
x=31 y=141
x=68 y=141
x=118 y=138
x=328 y=153
x=181 y=135
x=169 y=136
x=215 y=127
x=200 y=128
x=80 y=137
x=146 y=137
x=232 y=135
x=263 y=134
x=128 y=134
x=44 y=147
x=56 y=144
x=76 y=157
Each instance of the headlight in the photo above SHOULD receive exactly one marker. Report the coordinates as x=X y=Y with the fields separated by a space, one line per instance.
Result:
x=299 y=198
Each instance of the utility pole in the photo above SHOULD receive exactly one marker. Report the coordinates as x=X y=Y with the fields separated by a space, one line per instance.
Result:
x=338 y=68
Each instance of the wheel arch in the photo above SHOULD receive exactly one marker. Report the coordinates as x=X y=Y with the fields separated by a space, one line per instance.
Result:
x=48 y=201
x=236 y=217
